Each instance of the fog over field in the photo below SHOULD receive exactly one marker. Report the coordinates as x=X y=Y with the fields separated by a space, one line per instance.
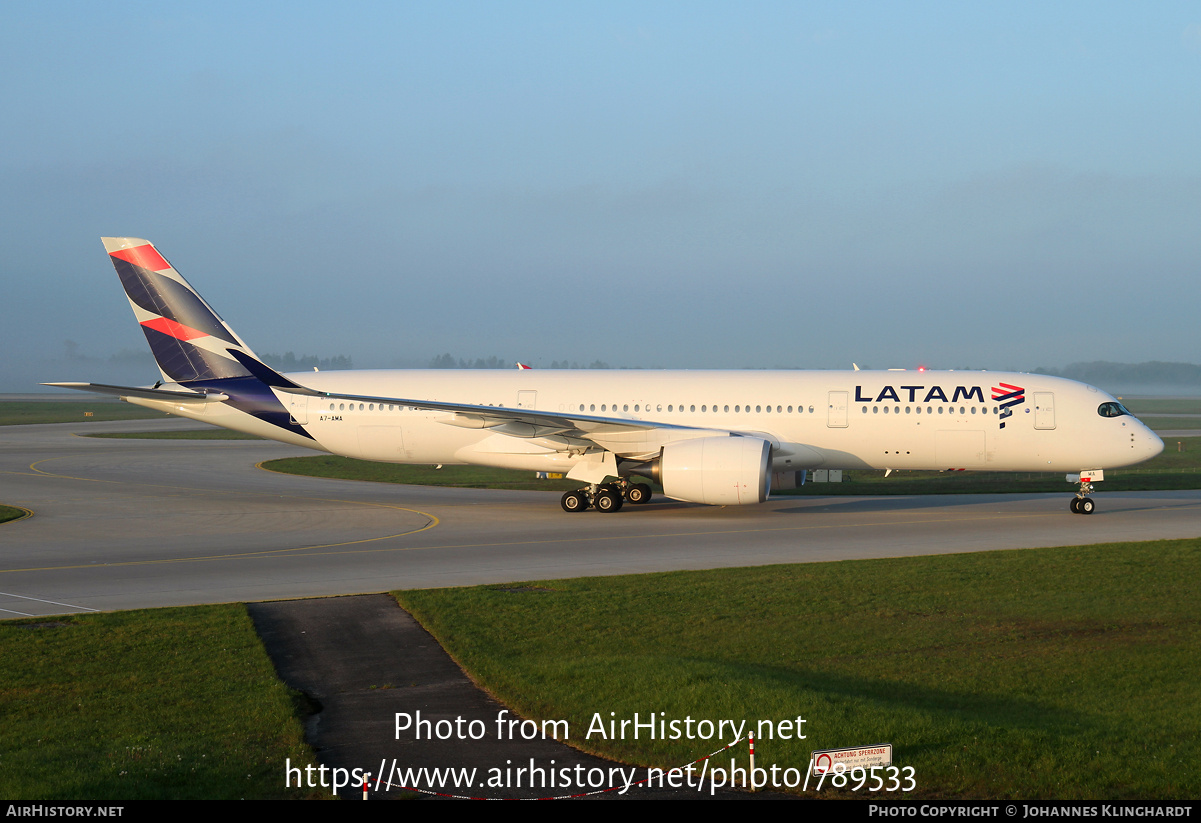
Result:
x=716 y=186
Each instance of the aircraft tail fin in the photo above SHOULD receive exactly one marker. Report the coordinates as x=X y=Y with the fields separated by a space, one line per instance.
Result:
x=189 y=340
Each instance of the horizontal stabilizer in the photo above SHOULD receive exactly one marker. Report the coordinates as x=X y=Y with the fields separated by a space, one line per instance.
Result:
x=269 y=375
x=143 y=391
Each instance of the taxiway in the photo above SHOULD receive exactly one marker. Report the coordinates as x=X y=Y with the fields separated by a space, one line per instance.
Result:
x=122 y=524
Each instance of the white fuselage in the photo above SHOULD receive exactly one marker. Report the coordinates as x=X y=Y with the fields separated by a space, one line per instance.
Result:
x=812 y=419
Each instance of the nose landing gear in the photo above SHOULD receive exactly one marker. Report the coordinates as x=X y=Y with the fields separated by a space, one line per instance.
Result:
x=1082 y=503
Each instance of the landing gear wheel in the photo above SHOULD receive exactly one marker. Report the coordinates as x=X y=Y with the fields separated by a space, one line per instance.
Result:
x=574 y=502
x=1086 y=505
x=607 y=500
x=1075 y=505
x=615 y=490
x=639 y=493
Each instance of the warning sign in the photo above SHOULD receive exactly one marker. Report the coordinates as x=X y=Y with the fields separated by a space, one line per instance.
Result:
x=861 y=757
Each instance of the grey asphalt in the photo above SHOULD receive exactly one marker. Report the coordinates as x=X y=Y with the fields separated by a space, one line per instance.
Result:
x=122 y=524
x=363 y=660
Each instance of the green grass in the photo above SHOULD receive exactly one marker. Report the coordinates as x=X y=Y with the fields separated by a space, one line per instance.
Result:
x=9 y=513
x=1159 y=424
x=20 y=413
x=471 y=477
x=162 y=703
x=1163 y=405
x=1054 y=673
x=1171 y=469
x=191 y=434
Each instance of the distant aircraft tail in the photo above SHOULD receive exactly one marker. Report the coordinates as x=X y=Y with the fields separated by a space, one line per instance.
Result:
x=189 y=340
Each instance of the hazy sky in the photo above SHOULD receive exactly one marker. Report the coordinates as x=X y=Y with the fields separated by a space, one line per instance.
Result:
x=675 y=184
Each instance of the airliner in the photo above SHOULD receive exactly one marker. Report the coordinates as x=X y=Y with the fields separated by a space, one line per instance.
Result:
x=722 y=438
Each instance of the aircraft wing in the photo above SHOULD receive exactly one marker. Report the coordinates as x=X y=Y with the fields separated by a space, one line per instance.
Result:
x=145 y=391
x=633 y=439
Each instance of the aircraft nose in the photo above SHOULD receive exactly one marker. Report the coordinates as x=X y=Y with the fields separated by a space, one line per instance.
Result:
x=1147 y=443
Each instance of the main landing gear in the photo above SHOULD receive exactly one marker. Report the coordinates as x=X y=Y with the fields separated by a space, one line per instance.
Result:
x=609 y=497
x=1082 y=503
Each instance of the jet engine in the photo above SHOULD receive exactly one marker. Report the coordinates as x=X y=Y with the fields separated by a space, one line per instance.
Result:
x=720 y=471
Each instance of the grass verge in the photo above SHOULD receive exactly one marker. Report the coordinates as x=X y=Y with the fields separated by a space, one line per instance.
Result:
x=1163 y=405
x=9 y=513
x=1056 y=673
x=191 y=434
x=1160 y=424
x=1170 y=470
x=159 y=703
x=470 y=477
x=21 y=413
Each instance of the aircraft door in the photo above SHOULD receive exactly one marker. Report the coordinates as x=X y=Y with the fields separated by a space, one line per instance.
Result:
x=527 y=399
x=298 y=407
x=838 y=401
x=1044 y=410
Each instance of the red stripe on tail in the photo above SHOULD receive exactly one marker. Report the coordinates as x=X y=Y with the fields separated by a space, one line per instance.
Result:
x=168 y=326
x=144 y=256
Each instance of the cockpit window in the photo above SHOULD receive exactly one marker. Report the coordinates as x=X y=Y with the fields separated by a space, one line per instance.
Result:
x=1113 y=409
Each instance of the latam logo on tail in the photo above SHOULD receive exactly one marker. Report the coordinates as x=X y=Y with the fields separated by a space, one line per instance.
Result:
x=1008 y=396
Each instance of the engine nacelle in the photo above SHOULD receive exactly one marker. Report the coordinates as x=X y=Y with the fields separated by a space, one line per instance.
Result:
x=721 y=471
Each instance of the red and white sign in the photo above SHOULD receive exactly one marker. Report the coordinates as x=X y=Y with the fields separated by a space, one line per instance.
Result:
x=861 y=757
